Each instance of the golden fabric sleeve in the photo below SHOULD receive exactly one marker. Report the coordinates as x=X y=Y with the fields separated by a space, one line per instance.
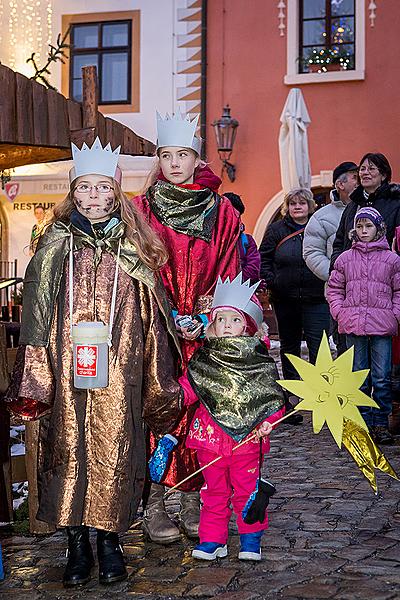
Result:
x=162 y=395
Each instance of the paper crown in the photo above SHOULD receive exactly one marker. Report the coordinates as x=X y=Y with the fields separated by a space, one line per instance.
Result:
x=95 y=161
x=178 y=130
x=237 y=294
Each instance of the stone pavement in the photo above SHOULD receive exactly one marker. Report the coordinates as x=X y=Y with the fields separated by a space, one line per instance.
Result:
x=329 y=537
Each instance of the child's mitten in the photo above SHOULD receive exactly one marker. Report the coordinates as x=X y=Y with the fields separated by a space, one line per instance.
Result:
x=159 y=458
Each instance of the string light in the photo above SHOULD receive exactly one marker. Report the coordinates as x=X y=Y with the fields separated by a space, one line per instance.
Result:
x=49 y=22
x=13 y=29
x=30 y=30
x=39 y=30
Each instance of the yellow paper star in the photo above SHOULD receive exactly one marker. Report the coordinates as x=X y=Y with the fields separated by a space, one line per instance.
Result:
x=330 y=390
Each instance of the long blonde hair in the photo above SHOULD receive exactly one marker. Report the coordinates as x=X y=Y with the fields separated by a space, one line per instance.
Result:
x=149 y=247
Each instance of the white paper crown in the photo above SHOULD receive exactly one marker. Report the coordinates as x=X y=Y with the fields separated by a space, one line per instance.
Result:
x=238 y=295
x=178 y=130
x=95 y=161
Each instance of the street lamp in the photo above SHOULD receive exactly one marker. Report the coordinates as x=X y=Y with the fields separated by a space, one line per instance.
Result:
x=225 y=134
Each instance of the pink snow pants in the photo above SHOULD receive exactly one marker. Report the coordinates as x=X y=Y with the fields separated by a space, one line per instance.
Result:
x=231 y=480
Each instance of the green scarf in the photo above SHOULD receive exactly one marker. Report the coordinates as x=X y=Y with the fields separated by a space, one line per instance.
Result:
x=183 y=210
x=45 y=270
x=236 y=380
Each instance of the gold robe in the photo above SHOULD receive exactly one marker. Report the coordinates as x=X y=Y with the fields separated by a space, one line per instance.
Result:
x=91 y=459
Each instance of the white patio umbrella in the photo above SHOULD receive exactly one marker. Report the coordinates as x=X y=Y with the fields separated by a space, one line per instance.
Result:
x=293 y=145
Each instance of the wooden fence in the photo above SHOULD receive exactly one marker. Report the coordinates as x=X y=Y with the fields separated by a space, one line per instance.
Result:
x=37 y=124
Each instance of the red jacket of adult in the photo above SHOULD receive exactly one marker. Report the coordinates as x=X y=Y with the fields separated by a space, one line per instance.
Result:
x=189 y=276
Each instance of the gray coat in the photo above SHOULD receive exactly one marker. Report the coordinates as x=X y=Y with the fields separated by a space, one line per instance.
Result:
x=319 y=236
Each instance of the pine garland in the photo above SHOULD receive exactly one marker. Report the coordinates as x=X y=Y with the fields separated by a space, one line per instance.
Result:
x=55 y=54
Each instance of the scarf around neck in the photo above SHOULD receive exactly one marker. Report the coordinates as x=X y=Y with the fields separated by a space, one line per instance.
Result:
x=236 y=380
x=187 y=211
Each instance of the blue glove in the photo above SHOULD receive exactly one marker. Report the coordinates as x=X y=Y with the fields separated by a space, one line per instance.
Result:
x=159 y=458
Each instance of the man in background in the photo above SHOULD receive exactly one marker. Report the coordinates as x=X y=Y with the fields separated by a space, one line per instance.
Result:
x=320 y=231
x=37 y=229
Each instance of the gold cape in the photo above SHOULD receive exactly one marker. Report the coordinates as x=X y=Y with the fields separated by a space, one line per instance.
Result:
x=236 y=380
x=91 y=446
x=45 y=270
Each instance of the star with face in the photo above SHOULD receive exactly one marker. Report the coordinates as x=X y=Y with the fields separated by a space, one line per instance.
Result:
x=94 y=197
x=331 y=390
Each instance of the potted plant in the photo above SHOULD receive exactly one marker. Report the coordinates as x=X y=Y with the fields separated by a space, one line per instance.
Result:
x=327 y=59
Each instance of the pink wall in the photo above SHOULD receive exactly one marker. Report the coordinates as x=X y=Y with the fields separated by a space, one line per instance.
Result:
x=348 y=118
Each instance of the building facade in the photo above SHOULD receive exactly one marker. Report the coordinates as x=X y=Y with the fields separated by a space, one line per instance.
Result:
x=257 y=51
x=148 y=58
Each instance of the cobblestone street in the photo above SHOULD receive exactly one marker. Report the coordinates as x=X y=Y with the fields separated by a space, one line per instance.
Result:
x=329 y=537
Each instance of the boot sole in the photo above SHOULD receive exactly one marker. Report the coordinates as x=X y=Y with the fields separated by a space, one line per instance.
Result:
x=249 y=556
x=161 y=540
x=71 y=584
x=109 y=580
x=193 y=535
x=218 y=553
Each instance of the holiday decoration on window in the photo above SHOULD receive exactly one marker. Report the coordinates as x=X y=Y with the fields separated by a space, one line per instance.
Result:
x=281 y=17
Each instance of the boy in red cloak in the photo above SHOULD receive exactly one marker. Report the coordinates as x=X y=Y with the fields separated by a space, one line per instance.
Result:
x=200 y=230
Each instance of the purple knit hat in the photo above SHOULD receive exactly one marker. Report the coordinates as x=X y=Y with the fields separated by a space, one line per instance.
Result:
x=369 y=213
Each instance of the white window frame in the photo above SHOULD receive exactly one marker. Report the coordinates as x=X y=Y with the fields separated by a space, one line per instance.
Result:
x=292 y=70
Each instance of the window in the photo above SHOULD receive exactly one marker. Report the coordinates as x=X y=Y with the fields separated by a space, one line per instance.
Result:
x=107 y=46
x=325 y=41
x=327 y=35
x=110 y=41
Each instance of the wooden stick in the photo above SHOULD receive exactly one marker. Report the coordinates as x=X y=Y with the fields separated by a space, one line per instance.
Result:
x=242 y=443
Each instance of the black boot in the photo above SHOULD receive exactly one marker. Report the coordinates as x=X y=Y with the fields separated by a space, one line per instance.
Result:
x=110 y=556
x=80 y=557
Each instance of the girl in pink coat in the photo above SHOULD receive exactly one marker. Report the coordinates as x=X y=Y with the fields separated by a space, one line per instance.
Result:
x=364 y=297
x=235 y=380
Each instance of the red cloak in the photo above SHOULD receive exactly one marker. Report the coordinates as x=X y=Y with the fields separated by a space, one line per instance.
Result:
x=191 y=272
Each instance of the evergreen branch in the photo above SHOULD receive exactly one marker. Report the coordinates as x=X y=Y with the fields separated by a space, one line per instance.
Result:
x=55 y=54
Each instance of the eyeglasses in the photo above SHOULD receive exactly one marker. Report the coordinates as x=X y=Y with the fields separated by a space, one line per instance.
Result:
x=102 y=188
x=368 y=169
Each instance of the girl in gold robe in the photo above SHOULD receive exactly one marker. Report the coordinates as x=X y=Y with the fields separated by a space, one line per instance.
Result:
x=91 y=464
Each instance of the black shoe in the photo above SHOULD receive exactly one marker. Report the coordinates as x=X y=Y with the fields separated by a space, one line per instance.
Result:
x=381 y=435
x=295 y=417
x=80 y=557
x=110 y=556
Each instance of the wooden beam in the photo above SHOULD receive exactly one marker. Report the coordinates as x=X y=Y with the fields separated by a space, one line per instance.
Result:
x=40 y=114
x=74 y=110
x=89 y=96
x=8 y=109
x=24 y=98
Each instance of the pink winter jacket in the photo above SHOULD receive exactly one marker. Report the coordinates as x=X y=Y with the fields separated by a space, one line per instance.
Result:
x=364 y=289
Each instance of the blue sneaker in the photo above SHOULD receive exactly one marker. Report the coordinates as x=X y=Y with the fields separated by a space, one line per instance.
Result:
x=250 y=546
x=210 y=551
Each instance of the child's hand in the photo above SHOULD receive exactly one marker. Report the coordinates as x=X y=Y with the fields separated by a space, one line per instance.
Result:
x=264 y=429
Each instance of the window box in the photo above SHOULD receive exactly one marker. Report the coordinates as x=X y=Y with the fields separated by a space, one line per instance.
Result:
x=308 y=40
